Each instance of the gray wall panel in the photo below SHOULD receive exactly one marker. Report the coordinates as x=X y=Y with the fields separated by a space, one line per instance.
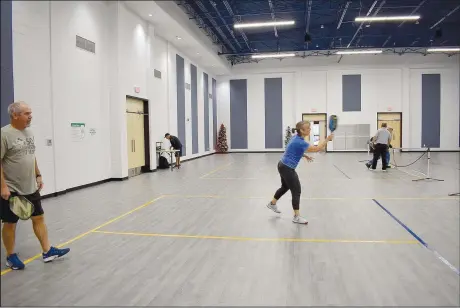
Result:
x=239 y=114
x=214 y=111
x=194 y=93
x=7 y=82
x=431 y=110
x=273 y=113
x=180 y=73
x=206 y=111
x=351 y=92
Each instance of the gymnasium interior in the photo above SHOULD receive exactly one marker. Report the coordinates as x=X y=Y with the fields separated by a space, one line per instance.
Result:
x=107 y=80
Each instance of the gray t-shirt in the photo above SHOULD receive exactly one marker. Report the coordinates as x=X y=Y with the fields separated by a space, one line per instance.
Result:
x=383 y=136
x=18 y=160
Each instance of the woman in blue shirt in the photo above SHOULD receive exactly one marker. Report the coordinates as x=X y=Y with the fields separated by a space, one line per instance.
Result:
x=295 y=150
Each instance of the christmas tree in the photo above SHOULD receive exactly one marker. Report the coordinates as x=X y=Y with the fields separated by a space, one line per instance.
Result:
x=287 y=136
x=222 y=146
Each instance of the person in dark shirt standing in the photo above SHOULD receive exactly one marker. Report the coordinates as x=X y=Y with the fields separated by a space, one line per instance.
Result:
x=176 y=145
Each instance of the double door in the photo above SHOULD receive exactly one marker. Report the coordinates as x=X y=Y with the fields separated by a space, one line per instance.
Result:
x=135 y=121
x=393 y=120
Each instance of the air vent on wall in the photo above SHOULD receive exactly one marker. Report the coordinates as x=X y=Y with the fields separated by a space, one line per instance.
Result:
x=157 y=73
x=85 y=44
x=187 y=86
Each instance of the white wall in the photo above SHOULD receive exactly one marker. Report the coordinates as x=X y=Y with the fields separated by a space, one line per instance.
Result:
x=79 y=92
x=390 y=84
x=65 y=84
x=32 y=82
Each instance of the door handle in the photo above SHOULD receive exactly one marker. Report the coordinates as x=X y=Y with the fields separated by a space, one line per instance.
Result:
x=134 y=145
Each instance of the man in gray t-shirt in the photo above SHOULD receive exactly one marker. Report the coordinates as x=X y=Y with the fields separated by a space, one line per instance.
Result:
x=381 y=139
x=20 y=176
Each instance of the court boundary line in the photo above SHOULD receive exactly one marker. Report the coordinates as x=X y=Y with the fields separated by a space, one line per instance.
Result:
x=419 y=239
x=215 y=170
x=204 y=196
x=255 y=239
x=82 y=235
x=341 y=171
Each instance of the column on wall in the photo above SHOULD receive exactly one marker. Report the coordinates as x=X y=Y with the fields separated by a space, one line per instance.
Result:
x=7 y=84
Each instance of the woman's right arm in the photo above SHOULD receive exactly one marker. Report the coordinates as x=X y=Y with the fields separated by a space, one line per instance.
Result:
x=320 y=146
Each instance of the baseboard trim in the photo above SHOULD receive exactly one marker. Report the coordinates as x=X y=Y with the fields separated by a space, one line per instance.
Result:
x=60 y=193
x=193 y=158
x=63 y=192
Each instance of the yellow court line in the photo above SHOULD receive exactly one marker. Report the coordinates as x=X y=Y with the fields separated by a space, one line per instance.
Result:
x=215 y=170
x=237 y=238
x=89 y=232
x=311 y=198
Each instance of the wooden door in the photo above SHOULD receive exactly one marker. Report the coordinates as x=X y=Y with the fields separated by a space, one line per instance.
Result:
x=393 y=120
x=135 y=133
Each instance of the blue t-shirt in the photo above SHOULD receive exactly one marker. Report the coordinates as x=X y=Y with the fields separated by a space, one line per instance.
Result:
x=294 y=151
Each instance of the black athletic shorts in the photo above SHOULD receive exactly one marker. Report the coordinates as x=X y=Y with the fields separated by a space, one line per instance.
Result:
x=8 y=216
x=179 y=154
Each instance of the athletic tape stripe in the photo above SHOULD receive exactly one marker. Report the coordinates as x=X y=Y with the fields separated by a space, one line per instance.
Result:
x=418 y=238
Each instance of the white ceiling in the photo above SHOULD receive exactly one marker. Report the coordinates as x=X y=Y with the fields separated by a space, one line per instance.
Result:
x=171 y=22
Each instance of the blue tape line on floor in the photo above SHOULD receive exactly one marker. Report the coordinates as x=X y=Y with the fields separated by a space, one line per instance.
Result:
x=418 y=238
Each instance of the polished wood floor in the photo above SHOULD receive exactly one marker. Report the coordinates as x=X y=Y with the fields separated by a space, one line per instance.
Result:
x=202 y=235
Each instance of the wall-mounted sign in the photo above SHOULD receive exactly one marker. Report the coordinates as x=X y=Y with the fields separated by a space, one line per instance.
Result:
x=77 y=132
x=389 y=108
x=137 y=89
x=92 y=131
x=313 y=110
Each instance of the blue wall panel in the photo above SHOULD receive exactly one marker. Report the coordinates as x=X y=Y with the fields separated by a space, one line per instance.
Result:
x=239 y=114
x=180 y=76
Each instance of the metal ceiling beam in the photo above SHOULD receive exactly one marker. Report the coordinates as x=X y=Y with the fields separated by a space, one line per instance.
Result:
x=187 y=8
x=307 y=22
x=216 y=26
x=414 y=11
x=213 y=4
x=246 y=57
x=230 y=11
x=272 y=13
x=386 y=41
x=343 y=14
x=333 y=51
x=442 y=19
x=361 y=25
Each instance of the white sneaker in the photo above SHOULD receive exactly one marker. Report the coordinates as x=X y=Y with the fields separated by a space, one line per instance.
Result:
x=299 y=220
x=273 y=207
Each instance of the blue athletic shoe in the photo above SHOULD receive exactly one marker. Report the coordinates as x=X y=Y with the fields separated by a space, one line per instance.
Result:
x=54 y=253
x=13 y=262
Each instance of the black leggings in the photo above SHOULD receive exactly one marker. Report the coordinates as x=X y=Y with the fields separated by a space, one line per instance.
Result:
x=289 y=181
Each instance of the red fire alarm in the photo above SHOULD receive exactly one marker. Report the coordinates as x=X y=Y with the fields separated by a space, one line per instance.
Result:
x=137 y=89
